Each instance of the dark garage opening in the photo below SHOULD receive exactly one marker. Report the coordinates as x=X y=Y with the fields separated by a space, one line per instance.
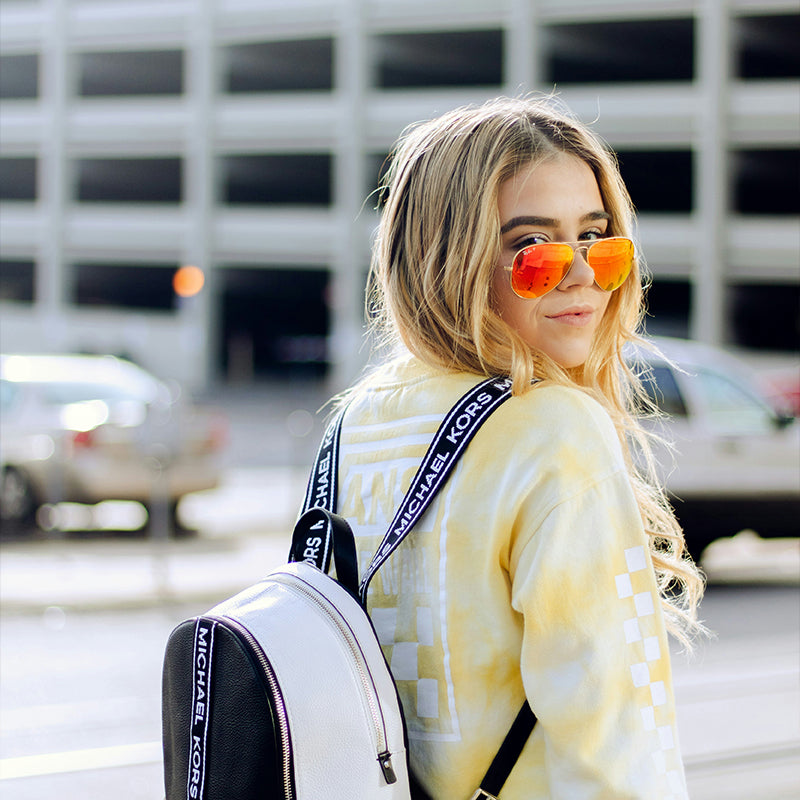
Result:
x=19 y=76
x=18 y=280
x=146 y=287
x=765 y=181
x=277 y=179
x=438 y=58
x=669 y=304
x=295 y=65
x=146 y=72
x=625 y=51
x=766 y=46
x=766 y=316
x=129 y=180
x=275 y=323
x=659 y=181
x=18 y=178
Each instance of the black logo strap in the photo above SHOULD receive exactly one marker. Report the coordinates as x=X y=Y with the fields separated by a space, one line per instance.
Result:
x=321 y=492
x=453 y=435
x=200 y=711
x=449 y=442
x=319 y=527
x=321 y=489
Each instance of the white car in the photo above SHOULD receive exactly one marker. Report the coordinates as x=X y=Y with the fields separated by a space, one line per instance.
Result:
x=84 y=429
x=737 y=460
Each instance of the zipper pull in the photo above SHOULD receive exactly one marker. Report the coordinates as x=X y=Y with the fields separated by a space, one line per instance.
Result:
x=385 y=760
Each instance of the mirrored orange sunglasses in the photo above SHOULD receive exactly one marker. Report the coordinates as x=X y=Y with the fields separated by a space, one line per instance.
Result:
x=539 y=268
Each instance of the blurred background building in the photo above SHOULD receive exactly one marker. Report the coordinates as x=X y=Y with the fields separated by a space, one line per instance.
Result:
x=244 y=137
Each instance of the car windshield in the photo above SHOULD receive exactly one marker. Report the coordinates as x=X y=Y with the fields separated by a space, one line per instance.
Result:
x=64 y=392
x=59 y=381
x=731 y=408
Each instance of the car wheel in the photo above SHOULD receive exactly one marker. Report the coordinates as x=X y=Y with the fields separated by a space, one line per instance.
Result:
x=18 y=502
x=177 y=528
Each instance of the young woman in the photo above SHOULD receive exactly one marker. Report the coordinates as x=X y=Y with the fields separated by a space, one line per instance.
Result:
x=541 y=571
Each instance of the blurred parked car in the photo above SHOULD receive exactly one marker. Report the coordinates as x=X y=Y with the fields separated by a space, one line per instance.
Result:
x=737 y=460
x=782 y=388
x=84 y=429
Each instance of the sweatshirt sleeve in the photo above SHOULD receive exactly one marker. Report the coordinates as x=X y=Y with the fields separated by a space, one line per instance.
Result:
x=595 y=659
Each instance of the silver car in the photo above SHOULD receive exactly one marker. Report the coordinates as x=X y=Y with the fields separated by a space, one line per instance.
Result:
x=84 y=429
x=737 y=460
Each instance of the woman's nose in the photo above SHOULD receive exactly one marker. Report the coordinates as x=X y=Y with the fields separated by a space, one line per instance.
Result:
x=579 y=274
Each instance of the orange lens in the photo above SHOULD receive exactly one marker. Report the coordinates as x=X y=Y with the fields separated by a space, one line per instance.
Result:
x=611 y=260
x=541 y=267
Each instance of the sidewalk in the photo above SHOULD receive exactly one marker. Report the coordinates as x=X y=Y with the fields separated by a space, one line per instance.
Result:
x=113 y=575
x=245 y=528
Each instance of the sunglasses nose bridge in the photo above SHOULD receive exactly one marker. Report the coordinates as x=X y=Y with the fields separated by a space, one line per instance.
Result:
x=582 y=251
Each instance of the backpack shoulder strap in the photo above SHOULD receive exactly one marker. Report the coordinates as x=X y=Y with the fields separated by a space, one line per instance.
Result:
x=448 y=444
x=321 y=490
x=315 y=542
x=507 y=755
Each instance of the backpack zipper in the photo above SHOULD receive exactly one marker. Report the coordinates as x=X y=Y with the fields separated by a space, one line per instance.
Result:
x=384 y=757
x=275 y=691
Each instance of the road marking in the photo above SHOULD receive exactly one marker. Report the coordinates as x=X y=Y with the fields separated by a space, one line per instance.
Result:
x=80 y=760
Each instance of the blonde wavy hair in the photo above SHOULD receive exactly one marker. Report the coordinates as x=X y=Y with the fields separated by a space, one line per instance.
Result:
x=431 y=287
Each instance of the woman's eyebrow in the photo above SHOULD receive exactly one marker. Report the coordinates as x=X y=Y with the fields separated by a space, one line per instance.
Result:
x=549 y=222
x=543 y=222
x=595 y=215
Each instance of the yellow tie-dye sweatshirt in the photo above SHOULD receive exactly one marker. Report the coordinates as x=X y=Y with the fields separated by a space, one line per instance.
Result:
x=529 y=576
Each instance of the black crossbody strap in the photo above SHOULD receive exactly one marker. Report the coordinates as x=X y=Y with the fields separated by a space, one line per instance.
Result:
x=449 y=442
x=507 y=755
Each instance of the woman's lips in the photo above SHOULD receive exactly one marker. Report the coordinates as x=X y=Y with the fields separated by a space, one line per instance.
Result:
x=577 y=316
